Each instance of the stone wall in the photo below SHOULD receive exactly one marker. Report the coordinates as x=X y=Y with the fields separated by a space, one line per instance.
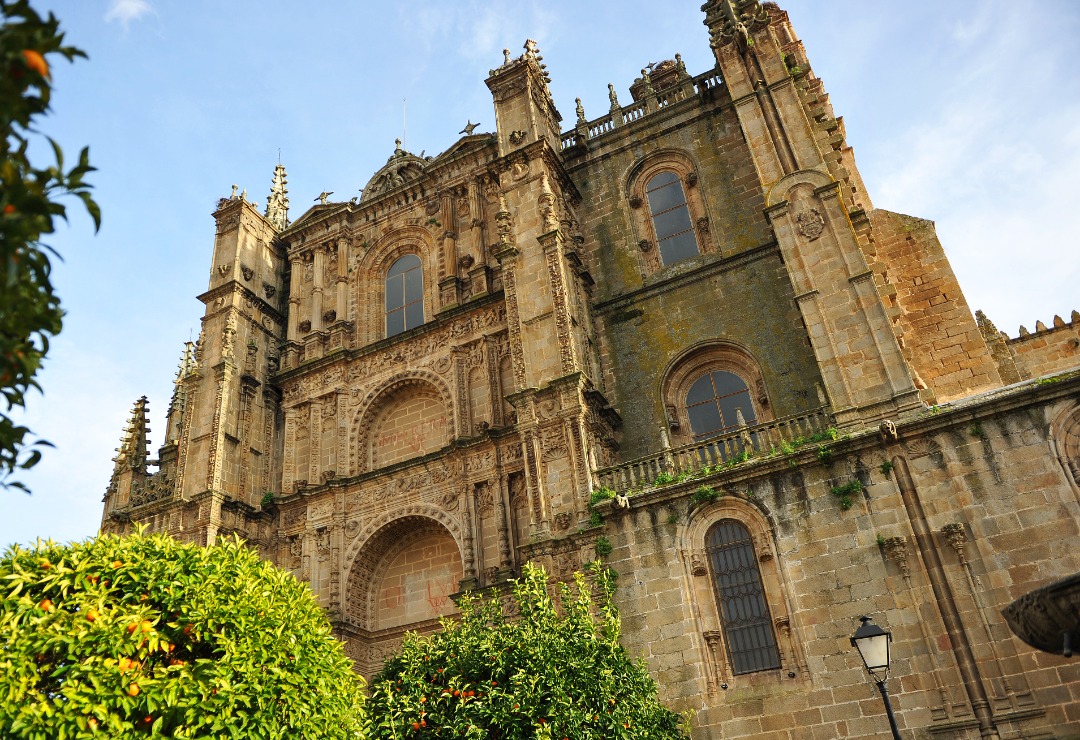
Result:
x=958 y=516
x=940 y=337
x=1049 y=349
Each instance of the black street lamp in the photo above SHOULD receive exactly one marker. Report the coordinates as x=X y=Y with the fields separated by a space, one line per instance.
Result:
x=873 y=645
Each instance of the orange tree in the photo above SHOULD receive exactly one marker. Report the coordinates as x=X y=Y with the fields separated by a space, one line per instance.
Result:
x=539 y=674
x=29 y=308
x=135 y=636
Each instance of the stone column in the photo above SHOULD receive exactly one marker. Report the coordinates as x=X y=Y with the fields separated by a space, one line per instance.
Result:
x=342 y=279
x=317 y=288
x=294 y=299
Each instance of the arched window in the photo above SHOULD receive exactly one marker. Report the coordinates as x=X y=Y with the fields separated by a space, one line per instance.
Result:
x=404 y=295
x=740 y=598
x=715 y=401
x=671 y=218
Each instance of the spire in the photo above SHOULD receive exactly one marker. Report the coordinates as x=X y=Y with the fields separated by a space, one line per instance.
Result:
x=133 y=445
x=175 y=417
x=277 y=205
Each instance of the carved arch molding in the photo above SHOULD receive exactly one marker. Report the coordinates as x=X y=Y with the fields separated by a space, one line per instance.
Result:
x=1065 y=439
x=692 y=364
x=380 y=545
x=381 y=398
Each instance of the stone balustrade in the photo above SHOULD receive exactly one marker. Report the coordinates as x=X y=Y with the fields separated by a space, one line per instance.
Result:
x=778 y=435
x=701 y=86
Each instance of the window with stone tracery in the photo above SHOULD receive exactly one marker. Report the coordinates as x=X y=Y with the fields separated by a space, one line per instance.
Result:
x=715 y=388
x=740 y=598
x=717 y=401
x=668 y=210
x=404 y=295
x=670 y=216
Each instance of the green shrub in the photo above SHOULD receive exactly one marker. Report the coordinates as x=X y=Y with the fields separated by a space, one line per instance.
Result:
x=845 y=492
x=663 y=479
x=123 y=636
x=601 y=494
x=705 y=495
x=551 y=673
x=603 y=547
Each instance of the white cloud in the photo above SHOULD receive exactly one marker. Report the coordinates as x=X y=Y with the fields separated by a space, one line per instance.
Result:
x=127 y=11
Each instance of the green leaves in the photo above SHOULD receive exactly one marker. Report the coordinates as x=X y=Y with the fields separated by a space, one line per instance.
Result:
x=30 y=311
x=549 y=672
x=144 y=635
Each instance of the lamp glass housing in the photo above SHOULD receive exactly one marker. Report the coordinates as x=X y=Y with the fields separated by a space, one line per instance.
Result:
x=872 y=643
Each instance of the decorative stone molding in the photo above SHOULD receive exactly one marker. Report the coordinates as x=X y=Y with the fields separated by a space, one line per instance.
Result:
x=810 y=223
x=896 y=551
x=956 y=536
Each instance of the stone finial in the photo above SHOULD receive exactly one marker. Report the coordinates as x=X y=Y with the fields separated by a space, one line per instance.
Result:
x=646 y=81
x=1040 y=326
x=234 y=189
x=613 y=97
x=1074 y=317
x=277 y=204
x=506 y=57
x=680 y=67
x=580 y=111
x=1024 y=332
x=986 y=326
x=1058 y=321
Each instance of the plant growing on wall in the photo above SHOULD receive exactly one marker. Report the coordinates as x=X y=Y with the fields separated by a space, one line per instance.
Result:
x=845 y=492
x=550 y=673
x=30 y=312
x=116 y=637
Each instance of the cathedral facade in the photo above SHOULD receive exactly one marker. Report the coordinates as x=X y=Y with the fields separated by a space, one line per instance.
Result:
x=678 y=337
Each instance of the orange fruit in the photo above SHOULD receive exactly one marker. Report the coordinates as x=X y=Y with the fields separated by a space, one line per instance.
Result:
x=36 y=62
x=45 y=564
x=92 y=723
x=91 y=615
x=133 y=690
x=46 y=604
x=116 y=563
x=132 y=627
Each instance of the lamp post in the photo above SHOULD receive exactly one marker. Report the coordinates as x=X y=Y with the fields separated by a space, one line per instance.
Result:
x=872 y=643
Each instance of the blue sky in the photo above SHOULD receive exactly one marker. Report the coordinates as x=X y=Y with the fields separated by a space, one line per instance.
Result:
x=966 y=112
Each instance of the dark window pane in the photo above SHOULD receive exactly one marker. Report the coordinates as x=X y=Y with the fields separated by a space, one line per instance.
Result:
x=414 y=315
x=704 y=419
x=672 y=222
x=664 y=178
x=407 y=262
x=701 y=390
x=740 y=595
x=395 y=322
x=681 y=247
x=414 y=285
x=666 y=198
x=727 y=383
x=395 y=293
